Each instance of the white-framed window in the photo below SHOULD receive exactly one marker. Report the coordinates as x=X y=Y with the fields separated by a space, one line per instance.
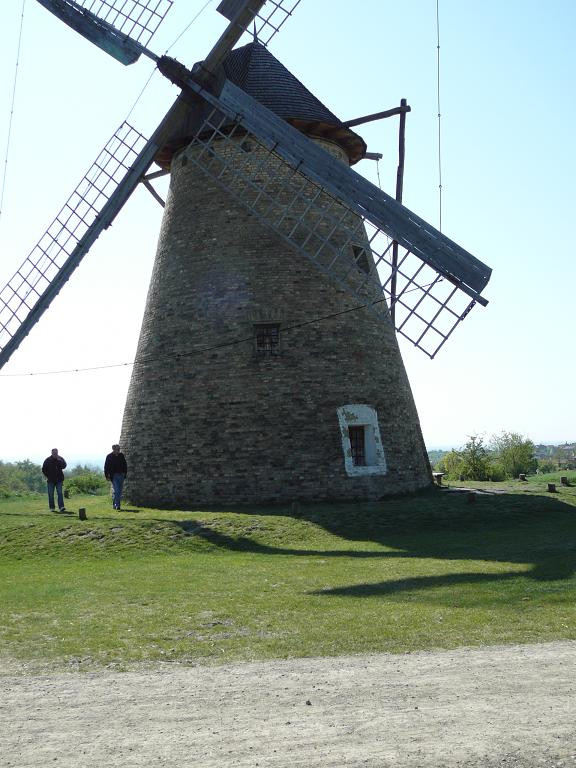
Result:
x=361 y=441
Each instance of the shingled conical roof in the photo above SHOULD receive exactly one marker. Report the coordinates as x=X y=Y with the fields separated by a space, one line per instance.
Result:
x=262 y=76
x=254 y=69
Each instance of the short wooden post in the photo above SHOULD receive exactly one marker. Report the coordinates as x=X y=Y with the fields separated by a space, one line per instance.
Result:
x=564 y=480
x=551 y=487
x=471 y=497
x=522 y=476
x=82 y=513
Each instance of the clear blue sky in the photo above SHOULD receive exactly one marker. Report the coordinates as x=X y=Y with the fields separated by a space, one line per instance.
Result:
x=508 y=106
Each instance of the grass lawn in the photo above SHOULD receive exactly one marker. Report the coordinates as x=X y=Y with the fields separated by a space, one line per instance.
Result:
x=211 y=586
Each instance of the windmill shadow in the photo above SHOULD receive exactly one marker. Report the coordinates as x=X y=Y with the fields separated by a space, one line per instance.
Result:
x=499 y=528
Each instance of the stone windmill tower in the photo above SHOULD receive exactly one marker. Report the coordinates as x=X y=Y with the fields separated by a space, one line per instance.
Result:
x=268 y=368
x=315 y=402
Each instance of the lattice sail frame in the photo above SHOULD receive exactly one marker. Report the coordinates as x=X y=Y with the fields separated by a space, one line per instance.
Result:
x=268 y=20
x=428 y=307
x=58 y=249
x=347 y=247
x=136 y=19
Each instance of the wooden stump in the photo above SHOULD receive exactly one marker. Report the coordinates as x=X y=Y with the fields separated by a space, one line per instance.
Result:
x=552 y=487
x=564 y=480
x=522 y=477
x=82 y=513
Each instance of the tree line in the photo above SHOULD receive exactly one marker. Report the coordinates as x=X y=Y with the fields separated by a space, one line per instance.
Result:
x=508 y=455
x=25 y=477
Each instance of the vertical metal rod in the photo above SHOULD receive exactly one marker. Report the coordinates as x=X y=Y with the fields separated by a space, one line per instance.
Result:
x=399 y=189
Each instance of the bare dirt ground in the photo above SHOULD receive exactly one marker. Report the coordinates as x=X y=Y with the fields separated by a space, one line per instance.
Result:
x=505 y=707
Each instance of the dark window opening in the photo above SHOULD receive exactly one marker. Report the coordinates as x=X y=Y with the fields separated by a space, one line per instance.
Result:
x=361 y=258
x=357 y=444
x=267 y=339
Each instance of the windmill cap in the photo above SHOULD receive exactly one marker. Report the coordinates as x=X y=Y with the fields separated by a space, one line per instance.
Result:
x=254 y=69
x=257 y=72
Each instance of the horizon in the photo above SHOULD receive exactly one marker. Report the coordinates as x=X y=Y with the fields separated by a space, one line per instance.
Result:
x=92 y=460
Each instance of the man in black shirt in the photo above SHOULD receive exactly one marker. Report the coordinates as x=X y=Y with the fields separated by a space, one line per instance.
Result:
x=52 y=471
x=116 y=469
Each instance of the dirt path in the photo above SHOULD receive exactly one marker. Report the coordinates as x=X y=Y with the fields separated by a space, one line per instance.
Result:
x=509 y=707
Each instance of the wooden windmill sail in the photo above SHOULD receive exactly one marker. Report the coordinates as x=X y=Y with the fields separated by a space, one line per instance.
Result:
x=267 y=367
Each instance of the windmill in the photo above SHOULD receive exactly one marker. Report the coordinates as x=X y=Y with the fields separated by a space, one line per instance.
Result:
x=268 y=367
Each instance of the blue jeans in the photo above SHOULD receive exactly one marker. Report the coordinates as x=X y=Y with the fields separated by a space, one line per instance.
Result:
x=117 y=483
x=58 y=487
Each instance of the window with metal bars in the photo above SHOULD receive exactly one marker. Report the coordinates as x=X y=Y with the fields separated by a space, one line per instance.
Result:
x=267 y=339
x=361 y=441
x=358 y=445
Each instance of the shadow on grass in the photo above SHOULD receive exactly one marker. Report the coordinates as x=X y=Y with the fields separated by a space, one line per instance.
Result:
x=498 y=527
x=246 y=544
x=392 y=587
x=535 y=531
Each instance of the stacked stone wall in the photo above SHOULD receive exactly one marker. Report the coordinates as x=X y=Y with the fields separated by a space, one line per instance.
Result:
x=209 y=422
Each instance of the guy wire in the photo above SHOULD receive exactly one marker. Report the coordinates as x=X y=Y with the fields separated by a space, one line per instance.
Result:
x=10 y=119
x=439 y=115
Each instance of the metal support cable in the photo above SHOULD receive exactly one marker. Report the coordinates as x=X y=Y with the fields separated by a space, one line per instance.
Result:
x=439 y=115
x=154 y=71
x=200 y=12
x=198 y=350
x=10 y=119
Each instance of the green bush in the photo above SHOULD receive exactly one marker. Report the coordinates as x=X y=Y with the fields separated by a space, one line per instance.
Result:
x=91 y=483
x=515 y=453
x=475 y=460
x=451 y=464
x=546 y=466
x=21 y=477
x=496 y=472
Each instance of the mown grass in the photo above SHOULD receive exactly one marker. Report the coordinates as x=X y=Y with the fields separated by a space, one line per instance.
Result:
x=209 y=586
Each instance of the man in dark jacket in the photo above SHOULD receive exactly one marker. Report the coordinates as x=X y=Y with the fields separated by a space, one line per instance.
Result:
x=52 y=471
x=116 y=469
